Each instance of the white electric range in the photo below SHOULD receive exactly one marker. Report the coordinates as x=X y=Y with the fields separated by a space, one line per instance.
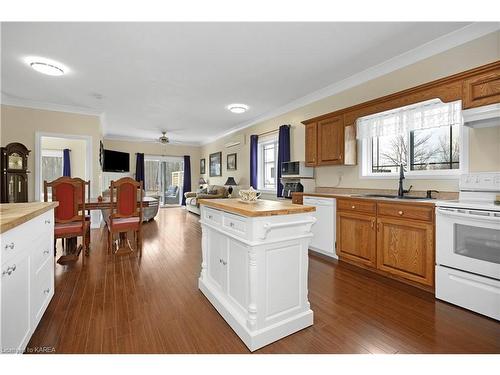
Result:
x=468 y=246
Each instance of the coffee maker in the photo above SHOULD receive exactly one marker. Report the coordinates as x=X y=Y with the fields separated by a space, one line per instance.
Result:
x=291 y=186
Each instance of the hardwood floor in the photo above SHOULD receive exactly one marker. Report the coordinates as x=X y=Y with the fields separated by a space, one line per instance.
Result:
x=153 y=305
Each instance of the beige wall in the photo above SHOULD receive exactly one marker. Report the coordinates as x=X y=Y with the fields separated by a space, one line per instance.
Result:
x=155 y=148
x=19 y=124
x=78 y=152
x=484 y=143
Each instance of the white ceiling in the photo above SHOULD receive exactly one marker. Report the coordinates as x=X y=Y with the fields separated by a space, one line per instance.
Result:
x=180 y=76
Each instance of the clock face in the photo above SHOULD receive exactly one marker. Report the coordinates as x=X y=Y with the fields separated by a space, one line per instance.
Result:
x=15 y=161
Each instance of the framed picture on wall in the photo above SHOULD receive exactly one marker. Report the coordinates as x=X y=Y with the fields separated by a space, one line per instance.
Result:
x=202 y=166
x=215 y=164
x=232 y=162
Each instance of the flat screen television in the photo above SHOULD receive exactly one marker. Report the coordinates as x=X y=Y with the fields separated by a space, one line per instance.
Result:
x=116 y=161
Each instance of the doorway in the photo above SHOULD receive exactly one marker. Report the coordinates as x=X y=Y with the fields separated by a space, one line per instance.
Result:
x=164 y=178
x=50 y=160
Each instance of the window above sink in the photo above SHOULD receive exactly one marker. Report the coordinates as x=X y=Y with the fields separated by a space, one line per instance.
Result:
x=428 y=138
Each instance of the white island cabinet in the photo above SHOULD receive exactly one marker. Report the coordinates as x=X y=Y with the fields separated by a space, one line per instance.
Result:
x=255 y=266
x=27 y=270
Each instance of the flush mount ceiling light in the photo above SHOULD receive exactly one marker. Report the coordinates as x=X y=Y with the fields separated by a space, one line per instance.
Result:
x=46 y=66
x=237 y=108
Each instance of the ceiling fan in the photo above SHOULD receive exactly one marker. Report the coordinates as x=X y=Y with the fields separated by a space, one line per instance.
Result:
x=163 y=139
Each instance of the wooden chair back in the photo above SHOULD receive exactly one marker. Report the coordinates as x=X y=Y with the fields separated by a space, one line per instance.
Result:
x=85 y=192
x=68 y=192
x=126 y=198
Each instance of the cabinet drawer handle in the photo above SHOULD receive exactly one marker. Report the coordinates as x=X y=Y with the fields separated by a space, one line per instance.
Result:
x=373 y=224
x=47 y=221
x=231 y=224
x=46 y=251
x=400 y=213
x=10 y=246
x=353 y=207
x=47 y=291
x=224 y=263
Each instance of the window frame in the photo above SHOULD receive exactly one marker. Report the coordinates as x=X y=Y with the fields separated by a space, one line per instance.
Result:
x=365 y=170
x=273 y=139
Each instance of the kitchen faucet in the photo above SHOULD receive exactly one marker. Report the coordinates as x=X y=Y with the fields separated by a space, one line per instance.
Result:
x=401 y=191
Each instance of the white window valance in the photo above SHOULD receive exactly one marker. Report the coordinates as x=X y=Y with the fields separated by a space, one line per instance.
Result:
x=425 y=115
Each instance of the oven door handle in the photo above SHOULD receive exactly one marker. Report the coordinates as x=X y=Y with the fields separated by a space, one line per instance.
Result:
x=453 y=213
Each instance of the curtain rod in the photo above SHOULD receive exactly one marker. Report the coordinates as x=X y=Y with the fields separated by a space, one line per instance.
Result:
x=270 y=131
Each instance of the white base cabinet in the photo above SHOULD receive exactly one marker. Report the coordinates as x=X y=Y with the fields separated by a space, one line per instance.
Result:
x=254 y=271
x=27 y=280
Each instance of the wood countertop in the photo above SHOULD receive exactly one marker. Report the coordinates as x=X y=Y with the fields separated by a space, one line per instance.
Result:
x=260 y=208
x=15 y=214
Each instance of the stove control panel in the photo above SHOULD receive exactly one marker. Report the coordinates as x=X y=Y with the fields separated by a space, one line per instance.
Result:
x=483 y=181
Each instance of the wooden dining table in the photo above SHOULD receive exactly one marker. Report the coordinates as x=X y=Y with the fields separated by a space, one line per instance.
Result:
x=72 y=251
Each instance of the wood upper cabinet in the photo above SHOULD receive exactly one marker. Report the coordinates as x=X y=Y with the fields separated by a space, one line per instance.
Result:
x=482 y=89
x=406 y=248
x=356 y=238
x=331 y=140
x=311 y=144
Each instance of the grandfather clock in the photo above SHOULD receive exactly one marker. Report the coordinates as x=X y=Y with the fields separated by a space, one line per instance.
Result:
x=14 y=179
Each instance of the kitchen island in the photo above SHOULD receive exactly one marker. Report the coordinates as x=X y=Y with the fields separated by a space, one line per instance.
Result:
x=255 y=266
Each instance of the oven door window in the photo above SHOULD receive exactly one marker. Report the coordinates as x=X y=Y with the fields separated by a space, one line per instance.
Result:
x=478 y=243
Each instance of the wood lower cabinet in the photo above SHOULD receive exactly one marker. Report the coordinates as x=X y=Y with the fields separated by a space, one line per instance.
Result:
x=311 y=145
x=331 y=141
x=356 y=238
x=406 y=248
x=394 y=239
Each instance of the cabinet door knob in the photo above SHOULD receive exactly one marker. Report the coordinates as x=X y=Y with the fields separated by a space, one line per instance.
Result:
x=400 y=213
x=231 y=224
x=46 y=251
x=10 y=246
x=47 y=221
x=353 y=207
x=210 y=217
x=47 y=291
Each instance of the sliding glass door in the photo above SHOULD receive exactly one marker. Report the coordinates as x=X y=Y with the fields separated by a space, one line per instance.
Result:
x=163 y=178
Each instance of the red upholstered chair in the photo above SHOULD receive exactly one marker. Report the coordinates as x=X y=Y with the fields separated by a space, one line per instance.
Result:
x=126 y=210
x=69 y=219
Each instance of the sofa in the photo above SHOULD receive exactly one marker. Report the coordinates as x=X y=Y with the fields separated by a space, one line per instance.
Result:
x=210 y=192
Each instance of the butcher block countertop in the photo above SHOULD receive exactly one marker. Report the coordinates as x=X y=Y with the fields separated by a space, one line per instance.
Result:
x=15 y=214
x=260 y=208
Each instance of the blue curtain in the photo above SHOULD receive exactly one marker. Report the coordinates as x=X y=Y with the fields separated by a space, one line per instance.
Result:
x=283 y=154
x=66 y=163
x=139 y=168
x=187 y=178
x=254 y=150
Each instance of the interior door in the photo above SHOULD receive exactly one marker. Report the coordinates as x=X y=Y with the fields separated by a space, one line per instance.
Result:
x=331 y=141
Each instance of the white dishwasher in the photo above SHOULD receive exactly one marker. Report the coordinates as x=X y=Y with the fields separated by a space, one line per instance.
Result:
x=324 y=230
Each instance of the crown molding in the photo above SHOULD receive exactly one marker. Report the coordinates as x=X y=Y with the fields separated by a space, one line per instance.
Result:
x=7 y=99
x=431 y=48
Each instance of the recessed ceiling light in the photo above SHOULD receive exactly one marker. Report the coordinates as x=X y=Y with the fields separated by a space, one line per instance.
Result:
x=237 y=108
x=46 y=66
